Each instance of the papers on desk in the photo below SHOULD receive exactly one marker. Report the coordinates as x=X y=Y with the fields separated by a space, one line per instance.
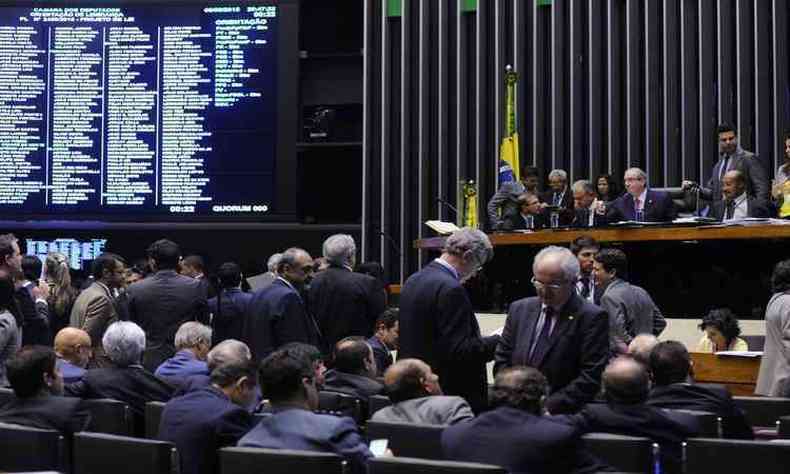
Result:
x=636 y=223
x=497 y=331
x=749 y=354
x=441 y=227
x=747 y=221
x=694 y=220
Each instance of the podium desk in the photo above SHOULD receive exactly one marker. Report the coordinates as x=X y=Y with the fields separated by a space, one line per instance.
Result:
x=739 y=374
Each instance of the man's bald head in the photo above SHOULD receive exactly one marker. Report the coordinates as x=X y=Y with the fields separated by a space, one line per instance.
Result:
x=73 y=345
x=641 y=347
x=229 y=351
x=625 y=381
x=410 y=378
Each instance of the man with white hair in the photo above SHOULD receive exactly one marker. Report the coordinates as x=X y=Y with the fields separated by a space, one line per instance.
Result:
x=262 y=280
x=127 y=380
x=558 y=332
x=193 y=341
x=438 y=324
x=343 y=302
x=640 y=203
x=558 y=194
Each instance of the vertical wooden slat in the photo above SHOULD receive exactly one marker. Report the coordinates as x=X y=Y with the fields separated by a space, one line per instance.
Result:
x=689 y=94
x=763 y=92
x=462 y=82
x=539 y=83
x=558 y=86
x=405 y=137
x=424 y=95
x=442 y=110
x=744 y=13
x=615 y=85
x=520 y=63
x=634 y=85
x=652 y=93
x=499 y=81
x=728 y=108
x=781 y=104
x=595 y=86
x=576 y=119
x=707 y=86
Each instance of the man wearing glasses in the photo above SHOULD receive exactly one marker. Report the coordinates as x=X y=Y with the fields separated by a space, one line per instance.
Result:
x=437 y=321
x=558 y=332
x=277 y=314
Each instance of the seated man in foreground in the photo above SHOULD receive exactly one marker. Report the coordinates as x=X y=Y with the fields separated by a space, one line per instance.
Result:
x=73 y=350
x=417 y=397
x=515 y=434
x=355 y=369
x=38 y=386
x=192 y=341
x=202 y=421
x=288 y=382
x=673 y=387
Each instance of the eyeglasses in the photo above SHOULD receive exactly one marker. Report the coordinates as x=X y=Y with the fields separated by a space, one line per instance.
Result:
x=549 y=286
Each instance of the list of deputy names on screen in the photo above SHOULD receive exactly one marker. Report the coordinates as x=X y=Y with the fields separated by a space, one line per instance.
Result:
x=100 y=108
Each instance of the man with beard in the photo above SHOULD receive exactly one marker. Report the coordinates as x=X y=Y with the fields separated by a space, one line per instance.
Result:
x=437 y=321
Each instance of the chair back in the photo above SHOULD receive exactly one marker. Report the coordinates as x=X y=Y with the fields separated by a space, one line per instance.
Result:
x=710 y=424
x=685 y=202
x=763 y=411
x=783 y=427
x=399 y=465
x=31 y=449
x=409 y=439
x=278 y=461
x=376 y=403
x=626 y=453
x=100 y=453
x=6 y=395
x=706 y=455
x=153 y=415
x=754 y=342
x=109 y=416
x=342 y=404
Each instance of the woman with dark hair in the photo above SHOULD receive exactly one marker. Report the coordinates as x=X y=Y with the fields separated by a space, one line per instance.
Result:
x=721 y=332
x=10 y=324
x=607 y=187
x=775 y=363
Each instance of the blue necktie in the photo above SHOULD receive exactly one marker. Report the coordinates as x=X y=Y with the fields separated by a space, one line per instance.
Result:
x=542 y=344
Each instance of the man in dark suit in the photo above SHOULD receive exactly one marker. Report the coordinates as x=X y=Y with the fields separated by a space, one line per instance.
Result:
x=438 y=324
x=733 y=157
x=558 y=333
x=194 y=267
x=558 y=194
x=626 y=386
x=277 y=314
x=31 y=300
x=38 y=387
x=515 y=434
x=343 y=302
x=737 y=204
x=640 y=203
x=193 y=341
x=529 y=217
x=95 y=308
x=504 y=203
x=673 y=387
x=385 y=339
x=587 y=210
x=354 y=370
x=164 y=301
x=584 y=248
x=127 y=380
x=200 y=422
x=227 y=309
x=288 y=381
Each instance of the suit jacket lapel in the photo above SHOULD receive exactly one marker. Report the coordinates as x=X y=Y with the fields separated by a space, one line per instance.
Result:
x=629 y=207
x=529 y=330
x=566 y=317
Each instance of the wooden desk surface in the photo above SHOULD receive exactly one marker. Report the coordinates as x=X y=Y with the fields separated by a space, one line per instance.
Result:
x=739 y=374
x=632 y=234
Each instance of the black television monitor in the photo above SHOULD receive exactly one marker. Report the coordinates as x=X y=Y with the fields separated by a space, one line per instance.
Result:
x=148 y=111
x=79 y=253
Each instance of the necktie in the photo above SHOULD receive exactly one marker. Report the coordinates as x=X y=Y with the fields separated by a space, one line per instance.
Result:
x=530 y=222
x=585 y=287
x=724 y=165
x=730 y=210
x=556 y=200
x=542 y=344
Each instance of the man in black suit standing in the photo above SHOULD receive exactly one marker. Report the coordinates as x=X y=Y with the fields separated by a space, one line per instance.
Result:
x=277 y=314
x=164 y=301
x=672 y=371
x=343 y=302
x=736 y=203
x=437 y=321
x=640 y=203
x=558 y=332
x=38 y=386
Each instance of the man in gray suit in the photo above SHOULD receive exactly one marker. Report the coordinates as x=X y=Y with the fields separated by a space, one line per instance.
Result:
x=733 y=157
x=164 y=301
x=417 y=397
x=631 y=310
x=505 y=202
x=262 y=280
x=94 y=310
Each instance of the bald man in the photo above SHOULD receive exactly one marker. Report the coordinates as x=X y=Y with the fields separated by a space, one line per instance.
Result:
x=73 y=351
x=735 y=203
x=641 y=346
x=626 y=386
x=417 y=397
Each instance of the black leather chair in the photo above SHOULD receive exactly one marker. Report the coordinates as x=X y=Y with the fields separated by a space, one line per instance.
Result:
x=627 y=453
x=704 y=455
x=783 y=427
x=110 y=416
x=685 y=202
x=153 y=414
x=376 y=403
x=342 y=404
x=399 y=465
x=408 y=439
x=709 y=423
x=31 y=449
x=763 y=411
x=100 y=453
x=754 y=342
x=6 y=395
x=278 y=461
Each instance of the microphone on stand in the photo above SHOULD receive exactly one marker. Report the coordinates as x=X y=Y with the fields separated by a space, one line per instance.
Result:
x=446 y=203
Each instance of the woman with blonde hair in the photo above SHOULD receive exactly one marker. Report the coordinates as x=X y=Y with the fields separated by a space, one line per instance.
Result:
x=61 y=294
